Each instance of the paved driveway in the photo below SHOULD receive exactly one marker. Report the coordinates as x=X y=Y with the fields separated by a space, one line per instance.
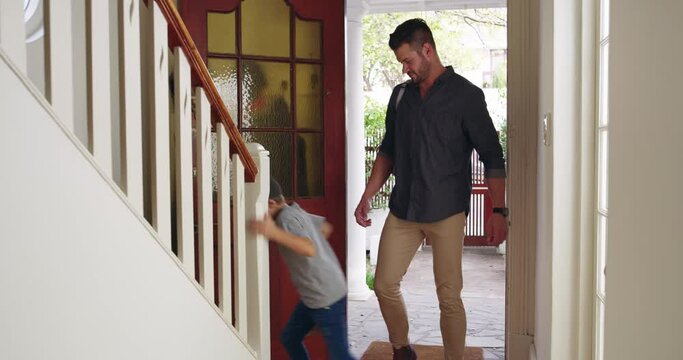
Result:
x=483 y=295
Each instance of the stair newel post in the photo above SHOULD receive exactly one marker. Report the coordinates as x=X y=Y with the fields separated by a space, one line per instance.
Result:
x=257 y=255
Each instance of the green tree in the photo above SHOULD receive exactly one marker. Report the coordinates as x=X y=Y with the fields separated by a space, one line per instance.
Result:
x=504 y=139
x=379 y=64
x=500 y=76
x=374 y=116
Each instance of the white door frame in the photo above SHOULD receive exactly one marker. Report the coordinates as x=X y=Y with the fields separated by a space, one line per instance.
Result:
x=523 y=76
x=523 y=117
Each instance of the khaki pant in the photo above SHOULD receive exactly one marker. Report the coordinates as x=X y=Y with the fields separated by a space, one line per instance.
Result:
x=398 y=244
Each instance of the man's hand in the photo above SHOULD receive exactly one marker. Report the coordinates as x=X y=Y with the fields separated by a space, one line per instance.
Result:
x=496 y=229
x=361 y=213
x=265 y=226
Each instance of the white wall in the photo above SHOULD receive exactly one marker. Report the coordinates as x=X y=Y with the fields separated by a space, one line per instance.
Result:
x=644 y=317
x=82 y=276
x=545 y=188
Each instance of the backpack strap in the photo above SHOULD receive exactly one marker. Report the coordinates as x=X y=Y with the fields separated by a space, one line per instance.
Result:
x=400 y=93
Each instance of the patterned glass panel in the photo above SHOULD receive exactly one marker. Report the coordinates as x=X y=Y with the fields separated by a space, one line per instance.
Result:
x=221 y=33
x=309 y=96
x=265 y=28
x=279 y=144
x=308 y=39
x=266 y=95
x=224 y=75
x=310 y=165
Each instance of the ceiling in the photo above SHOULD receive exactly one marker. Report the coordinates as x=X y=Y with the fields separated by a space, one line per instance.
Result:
x=385 y=6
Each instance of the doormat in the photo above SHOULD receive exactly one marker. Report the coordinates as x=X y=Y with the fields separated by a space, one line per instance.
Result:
x=381 y=350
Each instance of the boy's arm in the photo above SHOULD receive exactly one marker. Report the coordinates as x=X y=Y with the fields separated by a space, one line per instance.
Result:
x=267 y=227
x=323 y=225
x=326 y=229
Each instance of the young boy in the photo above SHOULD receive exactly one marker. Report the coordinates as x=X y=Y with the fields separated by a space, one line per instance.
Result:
x=316 y=274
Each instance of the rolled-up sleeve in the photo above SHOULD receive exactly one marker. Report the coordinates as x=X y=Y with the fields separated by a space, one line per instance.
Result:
x=483 y=135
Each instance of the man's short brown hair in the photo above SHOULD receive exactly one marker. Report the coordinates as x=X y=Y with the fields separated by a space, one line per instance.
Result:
x=415 y=32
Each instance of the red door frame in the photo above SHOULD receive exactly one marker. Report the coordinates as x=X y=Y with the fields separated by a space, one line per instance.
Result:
x=333 y=204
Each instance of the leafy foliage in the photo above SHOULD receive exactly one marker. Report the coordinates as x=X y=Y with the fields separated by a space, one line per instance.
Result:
x=370 y=278
x=500 y=76
x=380 y=65
x=374 y=116
x=503 y=135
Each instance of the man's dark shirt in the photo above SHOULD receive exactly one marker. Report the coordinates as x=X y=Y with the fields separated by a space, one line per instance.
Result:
x=430 y=141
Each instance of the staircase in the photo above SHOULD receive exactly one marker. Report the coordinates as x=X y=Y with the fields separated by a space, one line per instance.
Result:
x=125 y=189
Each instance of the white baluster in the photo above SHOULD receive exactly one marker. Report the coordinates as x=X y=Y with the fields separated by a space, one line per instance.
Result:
x=59 y=84
x=204 y=191
x=99 y=82
x=157 y=68
x=239 y=231
x=131 y=107
x=223 y=219
x=257 y=255
x=183 y=161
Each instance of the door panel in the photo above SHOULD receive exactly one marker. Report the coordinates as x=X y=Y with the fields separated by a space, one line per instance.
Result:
x=281 y=75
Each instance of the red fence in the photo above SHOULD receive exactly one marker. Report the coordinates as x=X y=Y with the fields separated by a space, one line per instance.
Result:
x=480 y=206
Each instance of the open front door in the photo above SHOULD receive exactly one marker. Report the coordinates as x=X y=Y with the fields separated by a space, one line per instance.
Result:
x=279 y=66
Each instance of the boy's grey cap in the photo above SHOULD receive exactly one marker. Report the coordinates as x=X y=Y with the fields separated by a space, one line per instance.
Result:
x=275 y=189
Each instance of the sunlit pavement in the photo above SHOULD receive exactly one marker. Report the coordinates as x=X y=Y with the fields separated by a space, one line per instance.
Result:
x=483 y=295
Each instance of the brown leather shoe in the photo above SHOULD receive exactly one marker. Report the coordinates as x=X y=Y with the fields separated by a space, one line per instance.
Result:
x=405 y=353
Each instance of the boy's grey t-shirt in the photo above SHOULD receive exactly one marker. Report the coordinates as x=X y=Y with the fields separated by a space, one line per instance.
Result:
x=319 y=279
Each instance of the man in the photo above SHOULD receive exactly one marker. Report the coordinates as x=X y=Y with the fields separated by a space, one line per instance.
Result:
x=433 y=122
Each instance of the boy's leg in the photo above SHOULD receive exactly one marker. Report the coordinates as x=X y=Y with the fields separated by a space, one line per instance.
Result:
x=447 y=243
x=298 y=326
x=397 y=246
x=332 y=323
